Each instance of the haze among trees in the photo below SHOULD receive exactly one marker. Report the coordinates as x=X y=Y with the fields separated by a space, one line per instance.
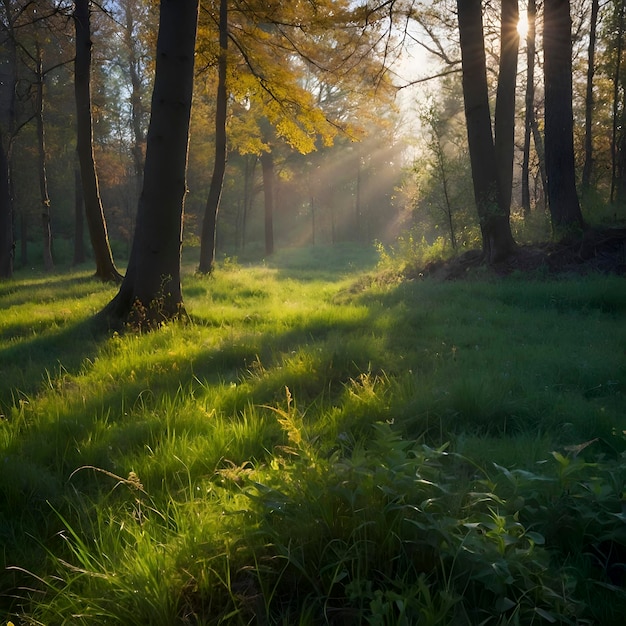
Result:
x=300 y=133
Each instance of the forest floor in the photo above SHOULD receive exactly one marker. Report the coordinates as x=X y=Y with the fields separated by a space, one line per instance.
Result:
x=597 y=252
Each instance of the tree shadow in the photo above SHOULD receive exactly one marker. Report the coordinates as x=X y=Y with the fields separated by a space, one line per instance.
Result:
x=26 y=363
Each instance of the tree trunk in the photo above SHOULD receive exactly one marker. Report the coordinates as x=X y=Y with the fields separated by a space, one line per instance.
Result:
x=105 y=267
x=151 y=291
x=358 y=208
x=447 y=210
x=267 y=165
x=79 y=240
x=529 y=103
x=559 y=122
x=7 y=243
x=505 y=100
x=248 y=195
x=616 y=84
x=136 y=108
x=8 y=81
x=48 y=263
x=587 y=168
x=497 y=240
x=208 y=239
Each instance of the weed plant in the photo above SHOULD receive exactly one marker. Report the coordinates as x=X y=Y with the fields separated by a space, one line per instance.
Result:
x=315 y=446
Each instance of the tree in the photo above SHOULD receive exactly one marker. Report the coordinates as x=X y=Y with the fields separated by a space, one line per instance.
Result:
x=505 y=99
x=7 y=245
x=8 y=81
x=620 y=8
x=151 y=291
x=209 y=225
x=497 y=240
x=299 y=85
x=559 y=122
x=96 y=223
x=591 y=55
x=42 y=158
x=267 y=166
x=531 y=128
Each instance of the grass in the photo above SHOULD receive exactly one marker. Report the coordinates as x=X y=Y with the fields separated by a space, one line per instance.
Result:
x=315 y=447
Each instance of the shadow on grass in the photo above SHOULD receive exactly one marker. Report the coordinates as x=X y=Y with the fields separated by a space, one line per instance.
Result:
x=27 y=364
x=55 y=287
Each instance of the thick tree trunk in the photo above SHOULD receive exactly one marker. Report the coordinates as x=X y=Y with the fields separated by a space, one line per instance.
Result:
x=208 y=239
x=151 y=292
x=559 y=122
x=267 y=165
x=588 y=166
x=105 y=267
x=495 y=228
x=48 y=262
x=505 y=100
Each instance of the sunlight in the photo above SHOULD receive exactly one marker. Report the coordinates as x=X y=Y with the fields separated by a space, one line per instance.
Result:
x=522 y=25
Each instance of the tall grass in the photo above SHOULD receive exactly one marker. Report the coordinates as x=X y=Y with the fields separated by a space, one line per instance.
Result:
x=315 y=446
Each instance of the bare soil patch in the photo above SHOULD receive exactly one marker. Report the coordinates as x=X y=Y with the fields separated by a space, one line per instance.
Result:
x=597 y=251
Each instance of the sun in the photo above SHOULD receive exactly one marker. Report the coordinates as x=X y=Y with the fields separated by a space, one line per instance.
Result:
x=522 y=25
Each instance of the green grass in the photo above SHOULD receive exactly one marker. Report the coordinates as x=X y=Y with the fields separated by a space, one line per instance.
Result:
x=314 y=447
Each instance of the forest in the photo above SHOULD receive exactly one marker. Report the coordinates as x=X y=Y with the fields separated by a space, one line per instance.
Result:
x=312 y=312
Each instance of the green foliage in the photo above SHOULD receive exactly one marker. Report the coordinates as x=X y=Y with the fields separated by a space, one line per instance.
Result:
x=411 y=251
x=315 y=448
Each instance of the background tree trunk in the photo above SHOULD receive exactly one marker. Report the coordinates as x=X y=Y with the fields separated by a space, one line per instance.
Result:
x=529 y=103
x=619 y=43
x=559 y=122
x=588 y=166
x=208 y=239
x=48 y=263
x=79 y=207
x=105 y=267
x=7 y=244
x=505 y=100
x=495 y=229
x=8 y=81
x=267 y=166
x=151 y=291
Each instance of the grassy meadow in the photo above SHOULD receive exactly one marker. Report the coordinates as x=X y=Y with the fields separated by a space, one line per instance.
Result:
x=322 y=443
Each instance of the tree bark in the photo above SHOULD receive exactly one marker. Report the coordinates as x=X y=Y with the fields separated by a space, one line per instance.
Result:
x=529 y=103
x=250 y=165
x=151 y=291
x=505 y=99
x=79 y=240
x=7 y=243
x=497 y=240
x=105 y=267
x=208 y=239
x=48 y=262
x=559 y=122
x=588 y=166
x=8 y=81
x=136 y=107
x=267 y=166
x=619 y=35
